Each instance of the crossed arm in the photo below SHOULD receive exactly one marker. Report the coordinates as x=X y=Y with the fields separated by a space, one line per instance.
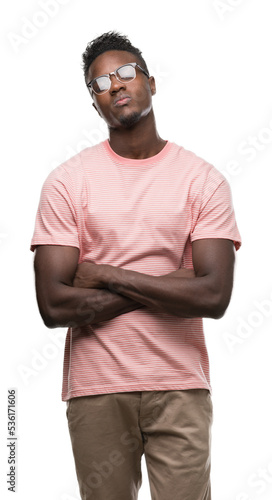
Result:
x=69 y=294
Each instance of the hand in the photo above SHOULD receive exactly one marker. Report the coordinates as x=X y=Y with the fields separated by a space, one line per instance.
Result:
x=90 y=275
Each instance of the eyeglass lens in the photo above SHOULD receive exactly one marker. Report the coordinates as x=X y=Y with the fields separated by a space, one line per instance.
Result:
x=124 y=74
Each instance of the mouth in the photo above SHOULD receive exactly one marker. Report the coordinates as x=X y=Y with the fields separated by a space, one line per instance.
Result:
x=121 y=100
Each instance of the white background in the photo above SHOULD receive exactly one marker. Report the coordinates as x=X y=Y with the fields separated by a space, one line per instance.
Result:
x=212 y=63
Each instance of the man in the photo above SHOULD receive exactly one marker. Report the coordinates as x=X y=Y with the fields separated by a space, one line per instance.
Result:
x=135 y=242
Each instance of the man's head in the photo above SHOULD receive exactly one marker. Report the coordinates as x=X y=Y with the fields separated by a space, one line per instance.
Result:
x=123 y=100
x=109 y=41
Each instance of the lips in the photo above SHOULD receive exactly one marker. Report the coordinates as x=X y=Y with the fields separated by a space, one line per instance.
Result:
x=121 y=100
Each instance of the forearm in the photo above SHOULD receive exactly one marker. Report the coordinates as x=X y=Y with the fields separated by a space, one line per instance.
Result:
x=173 y=294
x=202 y=292
x=178 y=293
x=71 y=306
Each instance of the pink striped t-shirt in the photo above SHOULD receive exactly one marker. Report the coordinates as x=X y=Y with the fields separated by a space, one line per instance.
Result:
x=141 y=215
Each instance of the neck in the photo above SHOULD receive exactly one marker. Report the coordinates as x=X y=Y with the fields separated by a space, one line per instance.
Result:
x=138 y=142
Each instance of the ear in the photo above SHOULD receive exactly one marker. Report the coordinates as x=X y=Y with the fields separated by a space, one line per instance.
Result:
x=152 y=85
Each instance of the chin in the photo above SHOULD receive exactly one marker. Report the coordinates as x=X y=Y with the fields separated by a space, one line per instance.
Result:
x=127 y=121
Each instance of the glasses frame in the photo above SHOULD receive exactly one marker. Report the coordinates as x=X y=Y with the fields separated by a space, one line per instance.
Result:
x=133 y=64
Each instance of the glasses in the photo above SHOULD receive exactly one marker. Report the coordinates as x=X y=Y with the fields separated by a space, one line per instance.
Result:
x=124 y=74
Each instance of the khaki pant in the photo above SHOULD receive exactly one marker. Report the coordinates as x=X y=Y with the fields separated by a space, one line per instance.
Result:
x=110 y=433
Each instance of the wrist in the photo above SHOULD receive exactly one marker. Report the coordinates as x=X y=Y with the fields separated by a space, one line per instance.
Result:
x=112 y=278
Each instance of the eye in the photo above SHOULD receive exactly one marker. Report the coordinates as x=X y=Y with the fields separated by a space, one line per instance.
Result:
x=126 y=73
x=101 y=84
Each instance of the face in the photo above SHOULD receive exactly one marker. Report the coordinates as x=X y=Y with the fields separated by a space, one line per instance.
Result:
x=125 y=103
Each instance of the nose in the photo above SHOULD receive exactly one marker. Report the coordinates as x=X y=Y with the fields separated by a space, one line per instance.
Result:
x=115 y=84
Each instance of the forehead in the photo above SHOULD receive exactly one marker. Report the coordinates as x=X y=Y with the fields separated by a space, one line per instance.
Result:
x=109 y=61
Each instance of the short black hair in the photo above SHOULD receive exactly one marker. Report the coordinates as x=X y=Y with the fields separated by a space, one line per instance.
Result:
x=109 y=41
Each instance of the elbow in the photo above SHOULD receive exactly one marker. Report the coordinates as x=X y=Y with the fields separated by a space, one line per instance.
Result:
x=50 y=317
x=52 y=304
x=50 y=320
x=218 y=306
x=217 y=312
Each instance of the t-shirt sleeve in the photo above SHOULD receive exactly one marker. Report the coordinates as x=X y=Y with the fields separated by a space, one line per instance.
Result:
x=56 y=216
x=216 y=217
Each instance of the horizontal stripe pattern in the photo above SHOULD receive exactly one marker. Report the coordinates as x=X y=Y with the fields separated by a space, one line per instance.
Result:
x=141 y=215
